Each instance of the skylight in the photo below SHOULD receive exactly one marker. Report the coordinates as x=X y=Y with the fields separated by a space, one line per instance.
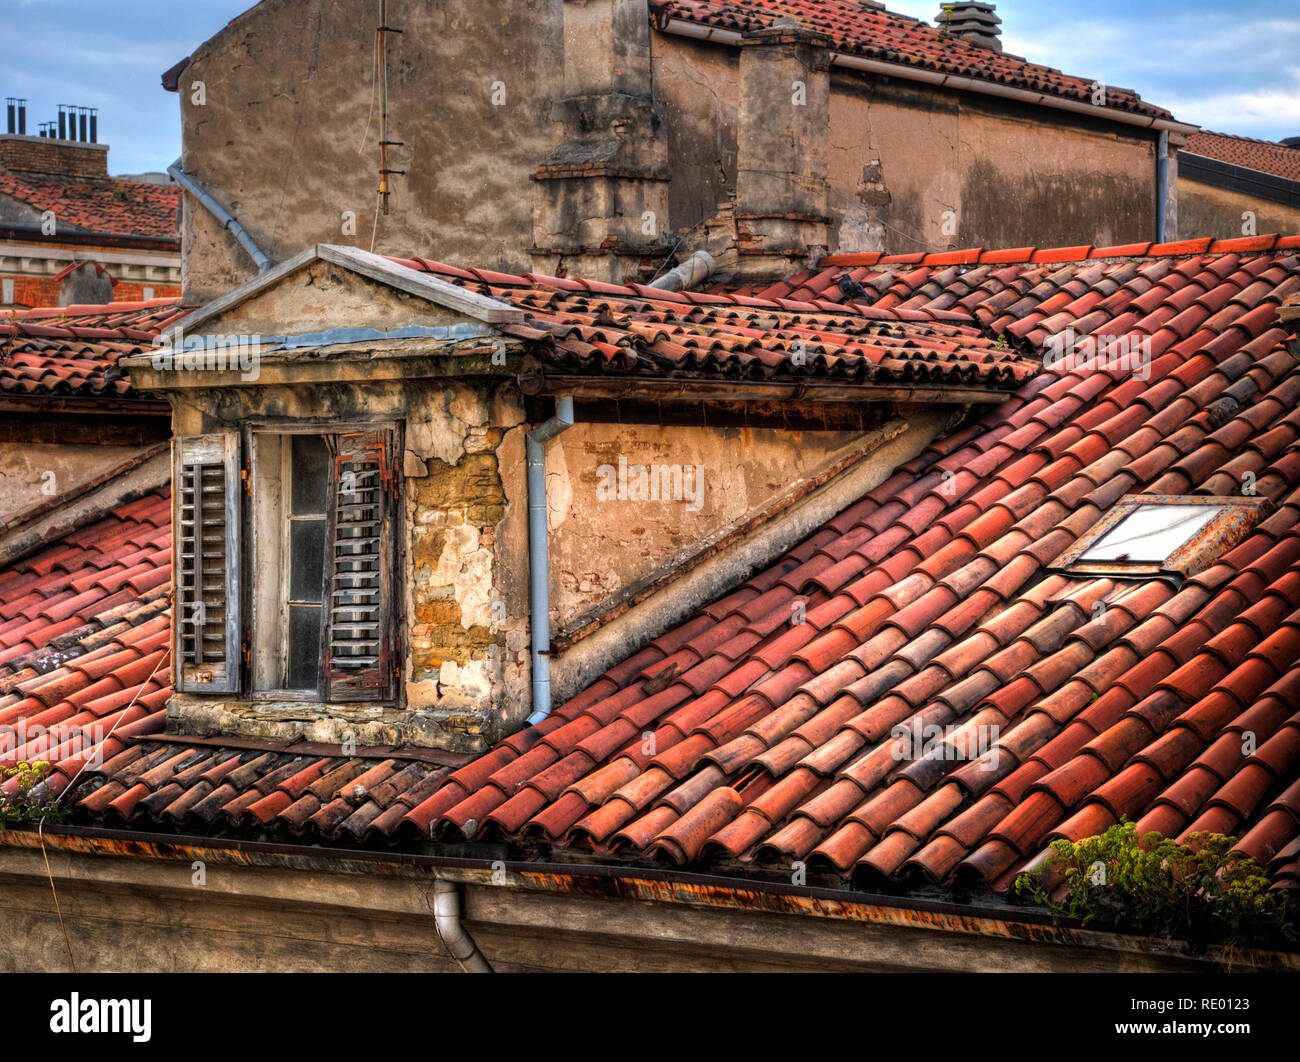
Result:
x=1149 y=535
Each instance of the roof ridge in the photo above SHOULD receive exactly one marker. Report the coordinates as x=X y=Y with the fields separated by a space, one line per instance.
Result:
x=1185 y=248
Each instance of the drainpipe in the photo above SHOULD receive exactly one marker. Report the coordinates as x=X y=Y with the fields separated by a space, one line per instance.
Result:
x=539 y=561
x=446 y=918
x=1162 y=186
x=219 y=212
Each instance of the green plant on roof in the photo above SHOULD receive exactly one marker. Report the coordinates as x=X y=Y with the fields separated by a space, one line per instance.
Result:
x=945 y=10
x=1201 y=892
x=22 y=806
x=121 y=193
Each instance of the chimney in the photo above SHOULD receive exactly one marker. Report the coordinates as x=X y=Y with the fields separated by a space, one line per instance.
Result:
x=84 y=282
x=782 y=140
x=68 y=148
x=16 y=113
x=975 y=23
x=600 y=199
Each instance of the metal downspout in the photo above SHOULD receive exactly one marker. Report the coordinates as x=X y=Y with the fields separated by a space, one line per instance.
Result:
x=446 y=919
x=539 y=560
x=1162 y=186
x=219 y=212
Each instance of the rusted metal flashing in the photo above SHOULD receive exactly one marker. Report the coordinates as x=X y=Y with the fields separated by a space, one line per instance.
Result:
x=636 y=884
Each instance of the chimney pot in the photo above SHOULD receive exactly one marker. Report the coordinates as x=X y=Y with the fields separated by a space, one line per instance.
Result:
x=974 y=22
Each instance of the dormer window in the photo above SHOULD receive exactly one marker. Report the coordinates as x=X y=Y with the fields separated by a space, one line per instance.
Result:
x=1151 y=535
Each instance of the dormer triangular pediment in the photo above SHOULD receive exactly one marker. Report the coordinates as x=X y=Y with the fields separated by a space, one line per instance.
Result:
x=331 y=289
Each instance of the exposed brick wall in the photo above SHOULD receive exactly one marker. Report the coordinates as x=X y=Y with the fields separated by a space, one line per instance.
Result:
x=44 y=291
x=28 y=154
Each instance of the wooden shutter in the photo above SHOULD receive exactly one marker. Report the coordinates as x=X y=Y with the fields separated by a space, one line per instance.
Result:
x=357 y=633
x=205 y=556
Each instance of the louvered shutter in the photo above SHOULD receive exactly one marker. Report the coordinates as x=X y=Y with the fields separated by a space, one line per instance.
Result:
x=205 y=547
x=357 y=634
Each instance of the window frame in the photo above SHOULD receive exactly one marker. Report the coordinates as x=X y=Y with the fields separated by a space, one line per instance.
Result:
x=1203 y=548
x=256 y=634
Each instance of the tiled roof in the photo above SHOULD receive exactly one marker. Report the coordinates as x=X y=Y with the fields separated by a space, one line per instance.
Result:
x=928 y=600
x=589 y=327
x=1262 y=155
x=108 y=207
x=72 y=350
x=865 y=28
x=84 y=634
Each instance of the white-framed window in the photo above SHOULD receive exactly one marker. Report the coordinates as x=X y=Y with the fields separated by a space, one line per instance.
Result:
x=1157 y=534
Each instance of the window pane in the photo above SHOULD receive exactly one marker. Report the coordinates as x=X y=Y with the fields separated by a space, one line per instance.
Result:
x=304 y=647
x=1150 y=533
x=306 y=559
x=309 y=469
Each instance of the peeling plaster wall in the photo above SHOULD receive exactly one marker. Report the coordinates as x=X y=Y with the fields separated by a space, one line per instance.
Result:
x=1205 y=210
x=461 y=567
x=602 y=545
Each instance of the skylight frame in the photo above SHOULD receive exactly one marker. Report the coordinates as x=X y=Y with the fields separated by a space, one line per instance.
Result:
x=1225 y=530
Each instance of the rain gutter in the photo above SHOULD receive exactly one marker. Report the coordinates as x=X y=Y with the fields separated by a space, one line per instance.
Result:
x=693 y=890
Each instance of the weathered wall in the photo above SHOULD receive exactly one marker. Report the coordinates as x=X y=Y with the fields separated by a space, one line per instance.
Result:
x=194 y=912
x=285 y=140
x=286 y=137
x=1208 y=211
x=914 y=168
x=33 y=473
x=602 y=545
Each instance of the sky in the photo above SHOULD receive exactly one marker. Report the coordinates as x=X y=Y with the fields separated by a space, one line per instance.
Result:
x=1230 y=67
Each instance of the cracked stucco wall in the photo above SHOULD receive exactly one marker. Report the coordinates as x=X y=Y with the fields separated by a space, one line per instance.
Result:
x=286 y=134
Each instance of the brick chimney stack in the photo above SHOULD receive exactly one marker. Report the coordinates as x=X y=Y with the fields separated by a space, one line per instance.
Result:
x=976 y=23
x=53 y=157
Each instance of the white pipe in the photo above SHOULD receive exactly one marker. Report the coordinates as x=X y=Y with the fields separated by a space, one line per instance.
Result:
x=539 y=556
x=682 y=28
x=446 y=919
x=695 y=269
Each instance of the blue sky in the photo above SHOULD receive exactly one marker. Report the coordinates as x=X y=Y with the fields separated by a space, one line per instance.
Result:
x=1231 y=67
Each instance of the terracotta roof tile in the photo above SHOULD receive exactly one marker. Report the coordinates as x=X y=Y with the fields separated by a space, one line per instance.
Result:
x=108 y=206
x=37 y=360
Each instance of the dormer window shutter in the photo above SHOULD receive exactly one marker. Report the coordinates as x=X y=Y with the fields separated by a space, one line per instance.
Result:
x=206 y=562
x=357 y=635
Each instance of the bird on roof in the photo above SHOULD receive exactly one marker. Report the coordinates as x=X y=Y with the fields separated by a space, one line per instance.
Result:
x=850 y=288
